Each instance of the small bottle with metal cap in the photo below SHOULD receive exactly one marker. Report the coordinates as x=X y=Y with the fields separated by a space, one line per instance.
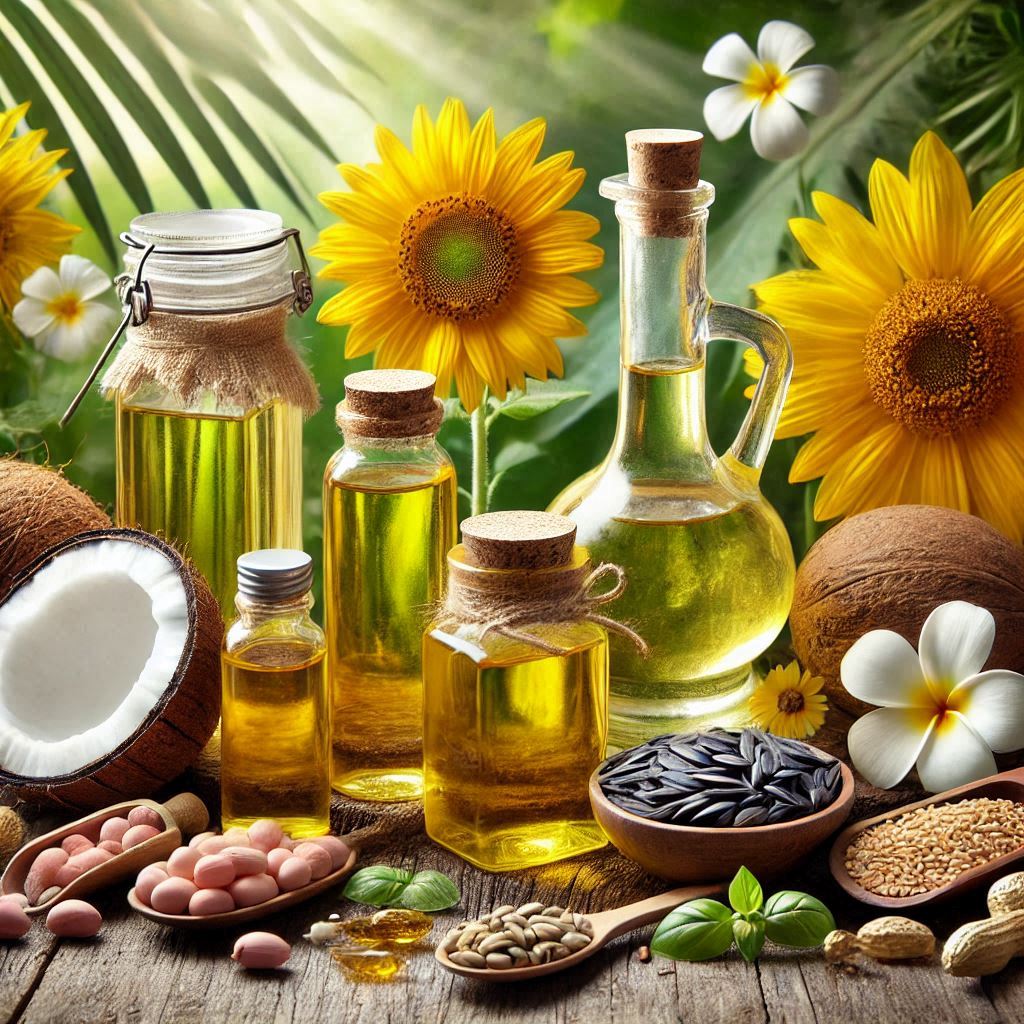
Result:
x=276 y=718
x=389 y=520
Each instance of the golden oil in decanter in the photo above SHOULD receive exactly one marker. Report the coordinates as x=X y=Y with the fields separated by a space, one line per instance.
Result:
x=275 y=751
x=510 y=742
x=217 y=486
x=710 y=570
x=387 y=530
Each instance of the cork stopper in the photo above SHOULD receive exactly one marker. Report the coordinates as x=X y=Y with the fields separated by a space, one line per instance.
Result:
x=390 y=394
x=519 y=540
x=665 y=159
x=390 y=404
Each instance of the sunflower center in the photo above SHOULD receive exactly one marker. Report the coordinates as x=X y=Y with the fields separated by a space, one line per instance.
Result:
x=790 y=702
x=940 y=356
x=458 y=257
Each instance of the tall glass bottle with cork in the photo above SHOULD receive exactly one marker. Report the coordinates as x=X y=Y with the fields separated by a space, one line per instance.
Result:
x=515 y=677
x=709 y=562
x=276 y=719
x=209 y=395
x=389 y=519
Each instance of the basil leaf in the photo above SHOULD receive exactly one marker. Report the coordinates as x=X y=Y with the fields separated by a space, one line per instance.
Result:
x=796 y=919
x=749 y=936
x=428 y=891
x=745 y=893
x=698 y=930
x=378 y=886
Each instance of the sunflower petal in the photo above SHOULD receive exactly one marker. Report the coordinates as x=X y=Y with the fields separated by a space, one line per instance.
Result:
x=994 y=249
x=942 y=206
x=892 y=205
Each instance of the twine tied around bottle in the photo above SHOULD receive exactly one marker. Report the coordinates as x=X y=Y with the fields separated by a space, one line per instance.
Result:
x=508 y=601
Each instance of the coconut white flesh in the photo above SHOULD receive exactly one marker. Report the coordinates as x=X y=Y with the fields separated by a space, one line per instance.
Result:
x=87 y=649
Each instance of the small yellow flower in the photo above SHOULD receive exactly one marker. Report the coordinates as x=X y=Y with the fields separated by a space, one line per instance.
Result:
x=788 y=703
x=29 y=237
x=457 y=255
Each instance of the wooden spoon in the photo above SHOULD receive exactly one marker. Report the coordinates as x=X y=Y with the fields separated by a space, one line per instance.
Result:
x=608 y=924
x=1005 y=786
x=245 y=914
x=183 y=815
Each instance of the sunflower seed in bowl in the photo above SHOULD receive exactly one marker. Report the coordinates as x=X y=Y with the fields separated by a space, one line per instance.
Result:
x=721 y=779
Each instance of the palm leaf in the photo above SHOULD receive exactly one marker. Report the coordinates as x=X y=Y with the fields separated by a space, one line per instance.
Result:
x=83 y=101
x=23 y=85
x=237 y=124
x=122 y=83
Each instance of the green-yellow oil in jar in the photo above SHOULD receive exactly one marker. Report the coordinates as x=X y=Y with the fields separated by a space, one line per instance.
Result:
x=275 y=743
x=216 y=486
x=510 y=741
x=387 y=530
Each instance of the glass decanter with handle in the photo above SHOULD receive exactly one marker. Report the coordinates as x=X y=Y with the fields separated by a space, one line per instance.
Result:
x=708 y=559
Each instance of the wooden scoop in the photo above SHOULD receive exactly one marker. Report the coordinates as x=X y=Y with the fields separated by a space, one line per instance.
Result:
x=1006 y=786
x=183 y=815
x=243 y=915
x=608 y=924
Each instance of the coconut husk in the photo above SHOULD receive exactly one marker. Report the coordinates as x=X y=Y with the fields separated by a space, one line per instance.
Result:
x=38 y=508
x=176 y=730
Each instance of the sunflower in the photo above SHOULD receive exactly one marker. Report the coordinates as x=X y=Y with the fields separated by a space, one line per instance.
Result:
x=788 y=703
x=909 y=344
x=458 y=256
x=29 y=237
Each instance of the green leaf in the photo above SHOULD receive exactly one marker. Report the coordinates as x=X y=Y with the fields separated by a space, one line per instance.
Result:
x=535 y=403
x=28 y=417
x=238 y=125
x=379 y=886
x=698 y=930
x=745 y=893
x=453 y=410
x=124 y=84
x=85 y=104
x=796 y=919
x=135 y=33
x=22 y=84
x=749 y=936
x=429 y=891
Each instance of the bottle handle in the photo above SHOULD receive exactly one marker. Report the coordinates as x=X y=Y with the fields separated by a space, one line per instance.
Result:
x=769 y=340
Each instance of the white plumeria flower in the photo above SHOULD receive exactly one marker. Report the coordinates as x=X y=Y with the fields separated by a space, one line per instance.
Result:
x=770 y=87
x=936 y=707
x=59 y=312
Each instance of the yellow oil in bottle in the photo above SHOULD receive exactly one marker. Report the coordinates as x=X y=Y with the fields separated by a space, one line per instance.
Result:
x=275 y=747
x=217 y=486
x=510 y=741
x=387 y=530
x=710 y=567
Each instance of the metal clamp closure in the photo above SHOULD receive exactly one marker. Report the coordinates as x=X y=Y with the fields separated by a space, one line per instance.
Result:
x=136 y=295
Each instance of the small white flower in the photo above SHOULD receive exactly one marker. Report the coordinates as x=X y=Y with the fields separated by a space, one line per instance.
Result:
x=770 y=87
x=59 y=312
x=936 y=707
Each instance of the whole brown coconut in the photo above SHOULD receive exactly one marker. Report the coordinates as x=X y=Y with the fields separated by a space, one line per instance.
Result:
x=38 y=508
x=888 y=569
x=109 y=670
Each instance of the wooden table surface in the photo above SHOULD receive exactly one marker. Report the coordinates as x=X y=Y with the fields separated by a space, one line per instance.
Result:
x=142 y=973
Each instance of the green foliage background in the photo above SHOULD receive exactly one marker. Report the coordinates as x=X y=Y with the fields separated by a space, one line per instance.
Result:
x=262 y=97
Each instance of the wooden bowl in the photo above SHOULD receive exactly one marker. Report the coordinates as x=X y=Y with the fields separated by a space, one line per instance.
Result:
x=688 y=853
x=245 y=914
x=1005 y=786
x=183 y=815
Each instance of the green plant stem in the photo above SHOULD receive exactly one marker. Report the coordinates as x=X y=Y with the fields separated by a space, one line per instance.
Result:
x=478 y=436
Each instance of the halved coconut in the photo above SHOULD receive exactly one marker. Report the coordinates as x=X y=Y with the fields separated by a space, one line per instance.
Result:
x=109 y=670
x=38 y=508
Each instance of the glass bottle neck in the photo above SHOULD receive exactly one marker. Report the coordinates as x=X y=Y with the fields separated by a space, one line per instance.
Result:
x=252 y=612
x=661 y=429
